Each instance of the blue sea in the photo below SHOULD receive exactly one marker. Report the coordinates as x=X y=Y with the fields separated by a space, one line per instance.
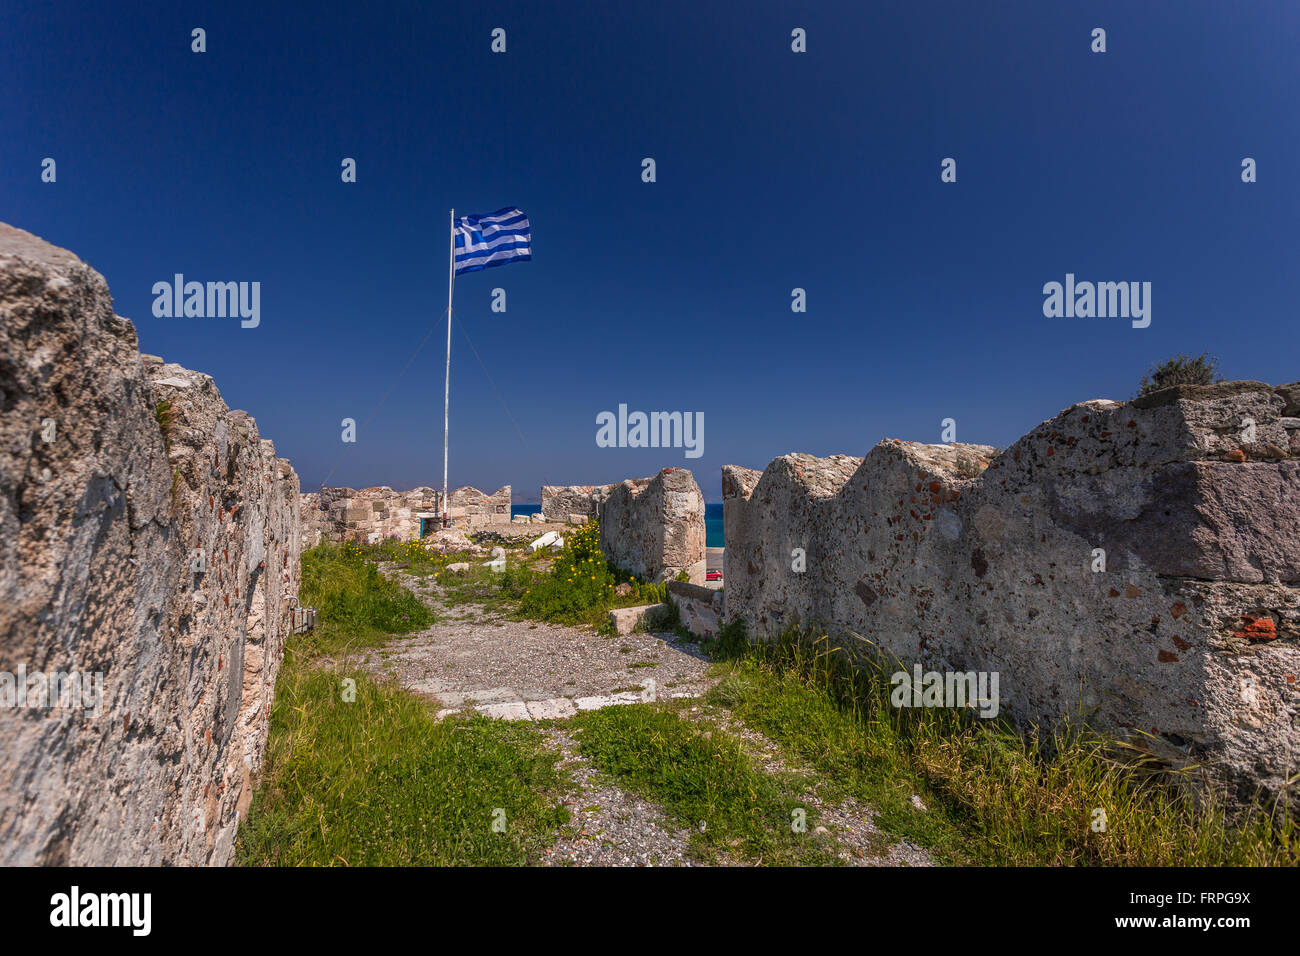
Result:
x=712 y=521
x=713 y=525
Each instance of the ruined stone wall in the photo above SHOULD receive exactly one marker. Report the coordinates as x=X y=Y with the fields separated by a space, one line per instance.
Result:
x=654 y=527
x=1189 y=636
x=345 y=514
x=341 y=514
x=471 y=508
x=101 y=520
x=560 y=501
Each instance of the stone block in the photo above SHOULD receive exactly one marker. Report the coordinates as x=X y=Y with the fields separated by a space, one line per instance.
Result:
x=700 y=609
x=556 y=708
x=545 y=541
x=628 y=619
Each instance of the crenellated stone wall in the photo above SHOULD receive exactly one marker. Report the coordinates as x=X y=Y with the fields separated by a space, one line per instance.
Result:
x=149 y=542
x=1137 y=562
x=654 y=527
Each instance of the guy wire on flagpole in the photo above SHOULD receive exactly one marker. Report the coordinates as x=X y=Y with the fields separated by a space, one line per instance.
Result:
x=446 y=394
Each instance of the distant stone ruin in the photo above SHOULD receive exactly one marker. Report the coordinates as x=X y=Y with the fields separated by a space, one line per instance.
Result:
x=372 y=514
x=340 y=514
x=149 y=541
x=561 y=501
x=654 y=527
x=1136 y=562
x=471 y=508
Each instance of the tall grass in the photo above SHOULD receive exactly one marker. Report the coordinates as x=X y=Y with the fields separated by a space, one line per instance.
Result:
x=356 y=605
x=996 y=795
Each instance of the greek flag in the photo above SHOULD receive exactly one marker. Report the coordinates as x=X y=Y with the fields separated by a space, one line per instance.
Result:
x=492 y=240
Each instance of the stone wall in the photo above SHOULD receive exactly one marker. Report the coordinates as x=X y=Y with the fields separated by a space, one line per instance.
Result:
x=471 y=508
x=700 y=609
x=345 y=514
x=654 y=527
x=102 y=519
x=560 y=501
x=1188 y=637
x=340 y=514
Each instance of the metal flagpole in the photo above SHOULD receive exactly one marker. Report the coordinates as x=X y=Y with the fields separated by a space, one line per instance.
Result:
x=446 y=394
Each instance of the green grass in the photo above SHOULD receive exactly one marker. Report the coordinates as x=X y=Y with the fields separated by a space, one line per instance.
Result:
x=420 y=560
x=356 y=605
x=575 y=586
x=699 y=774
x=375 y=780
x=497 y=592
x=995 y=796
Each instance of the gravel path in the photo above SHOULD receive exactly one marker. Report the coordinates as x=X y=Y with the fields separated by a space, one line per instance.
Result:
x=523 y=670
x=609 y=826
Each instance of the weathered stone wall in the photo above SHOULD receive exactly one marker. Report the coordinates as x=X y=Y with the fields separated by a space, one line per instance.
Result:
x=340 y=514
x=471 y=508
x=343 y=514
x=560 y=501
x=99 y=529
x=654 y=527
x=700 y=609
x=1189 y=636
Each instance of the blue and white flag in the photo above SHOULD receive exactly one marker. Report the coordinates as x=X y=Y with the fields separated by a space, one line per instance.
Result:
x=492 y=240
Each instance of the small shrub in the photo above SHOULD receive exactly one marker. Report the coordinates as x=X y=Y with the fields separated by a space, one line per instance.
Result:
x=580 y=580
x=1181 y=370
x=575 y=584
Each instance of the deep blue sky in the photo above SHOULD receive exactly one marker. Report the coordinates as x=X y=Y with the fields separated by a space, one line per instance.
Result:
x=775 y=170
